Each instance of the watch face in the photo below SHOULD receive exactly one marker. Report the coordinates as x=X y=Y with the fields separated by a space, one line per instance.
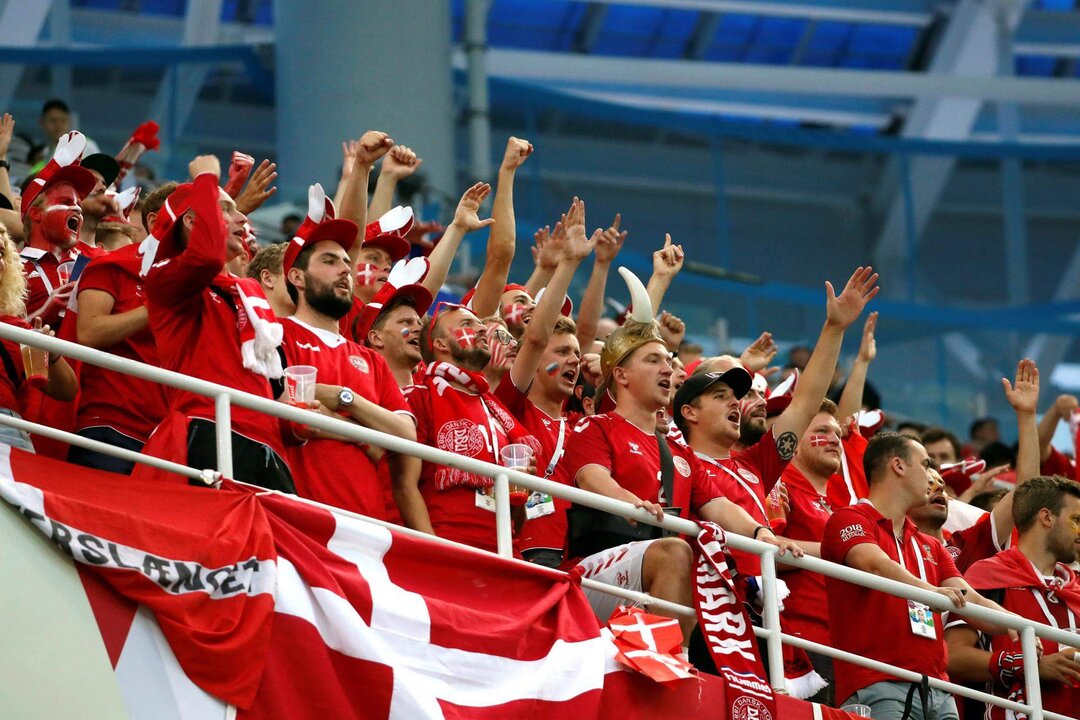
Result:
x=345 y=397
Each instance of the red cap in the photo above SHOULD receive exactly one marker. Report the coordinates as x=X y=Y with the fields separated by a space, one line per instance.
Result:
x=388 y=233
x=62 y=168
x=467 y=299
x=567 y=305
x=343 y=232
x=403 y=281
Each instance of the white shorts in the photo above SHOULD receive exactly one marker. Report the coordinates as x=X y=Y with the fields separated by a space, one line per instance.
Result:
x=619 y=566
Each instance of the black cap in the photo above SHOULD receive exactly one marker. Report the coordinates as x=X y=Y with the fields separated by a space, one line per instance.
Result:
x=104 y=164
x=737 y=378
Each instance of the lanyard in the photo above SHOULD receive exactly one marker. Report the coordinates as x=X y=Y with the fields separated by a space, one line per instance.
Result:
x=918 y=557
x=1050 y=620
x=493 y=432
x=44 y=278
x=557 y=455
x=744 y=486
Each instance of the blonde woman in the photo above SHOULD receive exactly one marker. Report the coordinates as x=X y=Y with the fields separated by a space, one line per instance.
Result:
x=61 y=383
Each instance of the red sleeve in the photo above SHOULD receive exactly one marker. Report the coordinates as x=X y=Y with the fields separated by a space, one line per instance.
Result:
x=390 y=396
x=99 y=276
x=420 y=403
x=844 y=530
x=188 y=273
x=588 y=444
x=946 y=566
x=1057 y=464
x=766 y=460
x=511 y=398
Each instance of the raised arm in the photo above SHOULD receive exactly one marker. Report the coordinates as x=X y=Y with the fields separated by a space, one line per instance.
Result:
x=851 y=400
x=372 y=146
x=840 y=312
x=500 y=247
x=667 y=262
x=576 y=248
x=398 y=164
x=1024 y=398
x=759 y=354
x=592 y=302
x=1064 y=406
x=466 y=219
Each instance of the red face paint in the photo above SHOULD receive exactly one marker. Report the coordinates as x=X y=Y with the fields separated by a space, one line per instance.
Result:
x=367 y=274
x=500 y=342
x=465 y=337
x=513 y=313
x=822 y=440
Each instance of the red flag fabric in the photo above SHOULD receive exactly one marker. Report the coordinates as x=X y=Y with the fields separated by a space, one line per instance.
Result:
x=650 y=644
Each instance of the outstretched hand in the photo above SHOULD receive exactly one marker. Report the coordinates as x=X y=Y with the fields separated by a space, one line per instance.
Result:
x=258 y=189
x=577 y=245
x=760 y=353
x=843 y=309
x=668 y=260
x=1024 y=395
x=466 y=216
x=868 y=346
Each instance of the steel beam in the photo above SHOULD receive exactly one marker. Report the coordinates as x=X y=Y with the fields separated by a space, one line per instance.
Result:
x=886 y=12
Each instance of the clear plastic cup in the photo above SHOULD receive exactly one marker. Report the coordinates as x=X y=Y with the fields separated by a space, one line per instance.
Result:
x=64 y=271
x=36 y=366
x=300 y=385
x=517 y=456
x=857 y=710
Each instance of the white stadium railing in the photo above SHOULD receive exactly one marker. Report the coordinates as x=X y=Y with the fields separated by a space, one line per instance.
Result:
x=226 y=397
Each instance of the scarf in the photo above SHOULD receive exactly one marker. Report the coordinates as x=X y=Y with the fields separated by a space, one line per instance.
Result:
x=471 y=423
x=257 y=326
x=1011 y=569
x=727 y=630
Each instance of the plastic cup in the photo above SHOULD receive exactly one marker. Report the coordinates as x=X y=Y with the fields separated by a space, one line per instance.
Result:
x=64 y=271
x=300 y=385
x=857 y=710
x=36 y=366
x=517 y=456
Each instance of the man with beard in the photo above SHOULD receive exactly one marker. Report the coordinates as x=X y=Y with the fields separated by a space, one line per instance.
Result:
x=709 y=414
x=52 y=219
x=541 y=380
x=456 y=412
x=1033 y=580
x=352 y=380
x=266 y=267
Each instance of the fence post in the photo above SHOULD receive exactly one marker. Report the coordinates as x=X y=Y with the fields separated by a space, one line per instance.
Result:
x=771 y=617
x=502 y=515
x=223 y=434
x=1032 y=689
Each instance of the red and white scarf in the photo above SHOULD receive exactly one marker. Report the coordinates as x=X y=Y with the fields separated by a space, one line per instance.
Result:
x=259 y=331
x=469 y=422
x=727 y=629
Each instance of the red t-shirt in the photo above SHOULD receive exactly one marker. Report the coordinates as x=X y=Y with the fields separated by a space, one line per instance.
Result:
x=745 y=477
x=346 y=325
x=454 y=510
x=975 y=543
x=43 y=279
x=1057 y=463
x=547 y=531
x=632 y=457
x=125 y=403
x=11 y=388
x=195 y=323
x=806 y=609
x=331 y=471
x=874 y=624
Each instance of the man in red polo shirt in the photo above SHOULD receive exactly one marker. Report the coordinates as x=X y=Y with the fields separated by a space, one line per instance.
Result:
x=52 y=219
x=212 y=325
x=540 y=382
x=876 y=536
x=456 y=411
x=1032 y=579
x=352 y=380
x=711 y=422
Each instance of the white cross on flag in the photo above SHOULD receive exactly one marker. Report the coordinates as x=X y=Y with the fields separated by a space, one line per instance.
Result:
x=649 y=644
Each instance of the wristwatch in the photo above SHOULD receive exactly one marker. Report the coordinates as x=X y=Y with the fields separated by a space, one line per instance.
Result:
x=344 y=398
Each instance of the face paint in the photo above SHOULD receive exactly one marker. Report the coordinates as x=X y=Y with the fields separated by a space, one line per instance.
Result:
x=513 y=313
x=366 y=274
x=551 y=368
x=60 y=224
x=821 y=440
x=405 y=332
x=500 y=342
x=465 y=337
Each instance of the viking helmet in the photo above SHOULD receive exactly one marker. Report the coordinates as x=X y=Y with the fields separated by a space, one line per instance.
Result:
x=639 y=329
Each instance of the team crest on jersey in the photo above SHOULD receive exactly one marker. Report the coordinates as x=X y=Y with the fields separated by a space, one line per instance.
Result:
x=461 y=437
x=749 y=476
x=359 y=363
x=749 y=708
x=682 y=466
x=954 y=551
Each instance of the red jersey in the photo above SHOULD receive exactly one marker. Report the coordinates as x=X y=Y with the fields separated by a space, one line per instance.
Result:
x=632 y=456
x=1057 y=463
x=130 y=405
x=745 y=477
x=43 y=279
x=546 y=528
x=1055 y=601
x=875 y=624
x=195 y=323
x=90 y=251
x=331 y=471
x=13 y=375
x=476 y=425
x=806 y=610
x=347 y=324
x=978 y=542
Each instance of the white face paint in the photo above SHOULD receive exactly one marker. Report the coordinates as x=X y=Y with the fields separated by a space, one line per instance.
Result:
x=66 y=208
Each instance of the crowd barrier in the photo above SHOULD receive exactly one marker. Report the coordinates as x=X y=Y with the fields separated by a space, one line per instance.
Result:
x=225 y=397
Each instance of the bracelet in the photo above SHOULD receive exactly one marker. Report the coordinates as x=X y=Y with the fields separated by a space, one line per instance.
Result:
x=759 y=528
x=5 y=164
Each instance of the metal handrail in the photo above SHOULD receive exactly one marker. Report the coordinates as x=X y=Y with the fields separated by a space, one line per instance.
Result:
x=225 y=397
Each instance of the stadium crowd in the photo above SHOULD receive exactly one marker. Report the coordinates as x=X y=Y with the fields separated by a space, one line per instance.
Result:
x=618 y=406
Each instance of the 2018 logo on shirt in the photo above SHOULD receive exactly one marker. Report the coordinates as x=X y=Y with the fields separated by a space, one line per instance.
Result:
x=852 y=531
x=461 y=437
x=682 y=466
x=359 y=363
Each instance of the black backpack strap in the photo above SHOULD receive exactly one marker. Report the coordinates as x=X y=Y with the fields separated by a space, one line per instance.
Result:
x=667 y=468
